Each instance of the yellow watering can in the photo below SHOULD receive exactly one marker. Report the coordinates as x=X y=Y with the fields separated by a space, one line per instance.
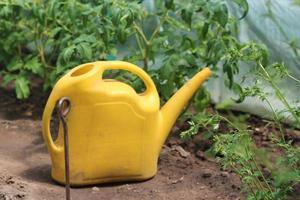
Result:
x=115 y=134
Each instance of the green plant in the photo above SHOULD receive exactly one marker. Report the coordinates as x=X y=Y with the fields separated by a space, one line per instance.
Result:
x=286 y=172
x=41 y=40
x=240 y=154
x=235 y=148
x=297 y=2
x=208 y=123
x=189 y=35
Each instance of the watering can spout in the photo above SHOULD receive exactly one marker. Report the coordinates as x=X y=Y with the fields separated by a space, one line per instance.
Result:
x=173 y=107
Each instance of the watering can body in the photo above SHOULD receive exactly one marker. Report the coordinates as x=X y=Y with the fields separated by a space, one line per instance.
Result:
x=115 y=134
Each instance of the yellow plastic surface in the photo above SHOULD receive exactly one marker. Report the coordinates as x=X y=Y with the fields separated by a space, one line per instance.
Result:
x=115 y=134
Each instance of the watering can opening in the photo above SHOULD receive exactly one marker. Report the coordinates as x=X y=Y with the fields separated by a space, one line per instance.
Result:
x=82 y=70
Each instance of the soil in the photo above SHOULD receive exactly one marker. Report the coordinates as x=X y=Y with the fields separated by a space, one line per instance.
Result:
x=184 y=171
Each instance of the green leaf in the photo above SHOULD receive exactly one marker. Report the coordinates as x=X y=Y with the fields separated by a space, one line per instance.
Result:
x=72 y=11
x=85 y=50
x=221 y=15
x=55 y=31
x=202 y=99
x=284 y=176
x=191 y=59
x=34 y=66
x=122 y=36
x=175 y=23
x=265 y=56
x=22 y=87
x=68 y=53
x=204 y=30
x=227 y=68
x=244 y=5
x=186 y=15
x=169 y=4
x=116 y=16
x=238 y=90
x=7 y=79
x=167 y=89
x=15 y=65
x=85 y=38
x=193 y=130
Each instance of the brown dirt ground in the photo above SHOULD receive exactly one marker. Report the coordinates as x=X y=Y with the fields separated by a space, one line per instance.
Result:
x=183 y=173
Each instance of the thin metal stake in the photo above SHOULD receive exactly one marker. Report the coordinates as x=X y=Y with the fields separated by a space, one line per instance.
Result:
x=64 y=106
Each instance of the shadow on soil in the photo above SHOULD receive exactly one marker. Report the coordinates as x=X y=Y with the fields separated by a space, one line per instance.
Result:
x=39 y=173
x=31 y=108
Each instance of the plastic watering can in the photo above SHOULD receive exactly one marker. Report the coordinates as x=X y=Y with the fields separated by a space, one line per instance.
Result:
x=115 y=134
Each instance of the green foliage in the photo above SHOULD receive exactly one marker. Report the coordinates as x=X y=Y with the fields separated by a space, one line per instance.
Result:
x=44 y=39
x=207 y=122
x=297 y=2
x=22 y=89
x=235 y=148
x=189 y=35
x=237 y=151
x=243 y=4
x=193 y=130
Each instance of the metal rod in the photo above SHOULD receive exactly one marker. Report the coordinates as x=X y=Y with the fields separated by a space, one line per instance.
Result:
x=64 y=106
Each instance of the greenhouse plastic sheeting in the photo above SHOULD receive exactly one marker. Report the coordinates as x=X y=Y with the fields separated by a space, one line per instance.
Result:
x=256 y=26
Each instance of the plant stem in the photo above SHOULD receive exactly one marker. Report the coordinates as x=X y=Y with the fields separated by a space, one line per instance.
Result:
x=139 y=45
x=229 y=122
x=250 y=187
x=140 y=33
x=146 y=57
x=277 y=120
x=158 y=27
x=262 y=175
x=257 y=181
x=293 y=78
x=278 y=93
x=141 y=39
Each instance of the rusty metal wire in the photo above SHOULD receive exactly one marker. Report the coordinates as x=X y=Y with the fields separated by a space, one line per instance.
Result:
x=63 y=108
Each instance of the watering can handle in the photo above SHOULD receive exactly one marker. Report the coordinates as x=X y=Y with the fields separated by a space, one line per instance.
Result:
x=52 y=102
x=150 y=86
